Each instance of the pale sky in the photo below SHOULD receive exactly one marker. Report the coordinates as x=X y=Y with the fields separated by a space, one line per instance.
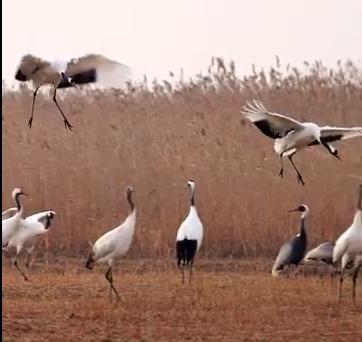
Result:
x=158 y=36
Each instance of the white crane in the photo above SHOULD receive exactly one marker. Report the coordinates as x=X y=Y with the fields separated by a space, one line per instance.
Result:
x=290 y=135
x=349 y=246
x=189 y=235
x=91 y=68
x=12 y=224
x=323 y=253
x=32 y=228
x=114 y=244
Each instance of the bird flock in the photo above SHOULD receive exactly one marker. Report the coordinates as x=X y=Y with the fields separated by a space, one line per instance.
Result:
x=290 y=136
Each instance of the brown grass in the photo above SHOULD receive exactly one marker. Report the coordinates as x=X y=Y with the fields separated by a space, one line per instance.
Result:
x=228 y=301
x=157 y=140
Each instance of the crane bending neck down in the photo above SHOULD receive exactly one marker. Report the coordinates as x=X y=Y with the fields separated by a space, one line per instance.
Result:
x=191 y=185
x=130 y=200
x=333 y=151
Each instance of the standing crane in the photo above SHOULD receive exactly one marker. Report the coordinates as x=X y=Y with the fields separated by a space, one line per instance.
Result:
x=349 y=247
x=189 y=235
x=114 y=244
x=292 y=252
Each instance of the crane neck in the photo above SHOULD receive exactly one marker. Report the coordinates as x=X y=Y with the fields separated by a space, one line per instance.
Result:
x=130 y=201
x=48 y=222
x=302 y=223
x=192 y=196
x=302 y=227
x=18 y=203
x=359 y=198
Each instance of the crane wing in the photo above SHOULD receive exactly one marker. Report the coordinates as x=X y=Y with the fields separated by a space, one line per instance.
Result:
x=273 y=125
x=29 y=65
x=331 y=134
x=41 y=217
x=97 y=68
x=9 y=213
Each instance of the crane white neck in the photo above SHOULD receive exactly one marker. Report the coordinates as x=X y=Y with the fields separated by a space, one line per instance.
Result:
x=305 y=213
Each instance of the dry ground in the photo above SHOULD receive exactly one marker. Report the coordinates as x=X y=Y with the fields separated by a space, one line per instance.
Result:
x=228 y=301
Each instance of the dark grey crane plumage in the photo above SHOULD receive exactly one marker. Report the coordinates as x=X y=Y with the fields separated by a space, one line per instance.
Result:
x=293 y=251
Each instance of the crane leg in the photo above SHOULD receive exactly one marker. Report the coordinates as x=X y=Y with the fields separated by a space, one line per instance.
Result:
x=66 y=122
x=181 y=266
x=30 y=122
x=354 y=278
x=300 y=178
x=296 y=270
x=17 y=266
x=28 y=258
x=332 y=274
x=191 y=269
x=341 y=284
x=281 y=172
x=109 y=277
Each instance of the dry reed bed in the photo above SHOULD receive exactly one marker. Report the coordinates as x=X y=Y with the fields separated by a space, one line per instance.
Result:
x=157 y=140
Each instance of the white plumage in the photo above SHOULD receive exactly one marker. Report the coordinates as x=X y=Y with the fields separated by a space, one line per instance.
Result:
x=9 y=213
x=290 y=135
x=189 y=235
x=114 y=244
x=349 y=246
x=322 y=253
x=12 y=224
x=59 y=65
x=30 y=231
x=58 y=73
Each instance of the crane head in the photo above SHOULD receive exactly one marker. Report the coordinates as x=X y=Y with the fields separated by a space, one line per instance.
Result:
x=302 y=208
x=131 y=190
x=334 y=152
x=190 y=184
x=18 y=192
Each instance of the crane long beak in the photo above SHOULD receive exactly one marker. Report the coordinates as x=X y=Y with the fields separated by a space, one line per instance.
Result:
x=24 y=194
x=151 y=192
x=186 y=186
x=293 y=210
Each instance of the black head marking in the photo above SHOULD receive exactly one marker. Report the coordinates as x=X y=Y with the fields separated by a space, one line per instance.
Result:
x=19 y=76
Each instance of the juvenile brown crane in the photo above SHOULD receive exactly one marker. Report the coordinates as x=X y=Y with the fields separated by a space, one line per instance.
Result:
x=59 y=74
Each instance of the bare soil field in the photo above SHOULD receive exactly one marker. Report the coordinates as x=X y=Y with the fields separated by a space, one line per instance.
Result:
x=229 y=300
